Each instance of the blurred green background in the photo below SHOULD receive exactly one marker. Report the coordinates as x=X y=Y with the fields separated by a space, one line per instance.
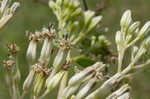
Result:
x=34 y=15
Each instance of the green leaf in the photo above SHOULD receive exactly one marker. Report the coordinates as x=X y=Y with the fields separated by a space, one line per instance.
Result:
x=83 y=61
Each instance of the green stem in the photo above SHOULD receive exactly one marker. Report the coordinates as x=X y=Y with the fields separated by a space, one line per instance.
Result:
x=120 y=59
x=23 y=94
x=78 y=39
x=133 y=42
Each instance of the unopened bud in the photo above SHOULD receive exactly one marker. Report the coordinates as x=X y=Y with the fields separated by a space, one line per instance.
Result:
x=76 y=12
x=133 y=27
x=126 y=20
x=66 y=3
x=76 y=4
x=146 y=42
x=88 y=15
x=145 y=29
x=119 y=37
x=94 y=22
x=53 y=5
x=59 y=2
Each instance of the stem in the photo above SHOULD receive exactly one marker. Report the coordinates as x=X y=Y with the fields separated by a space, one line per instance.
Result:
x=120 y=60
x=133 y=42
x=23 y=94
x=78 y=39
x=9 y=82
x=85 y=5
x=62 y=84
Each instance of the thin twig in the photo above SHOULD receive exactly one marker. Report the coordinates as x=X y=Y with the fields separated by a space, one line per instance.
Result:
x=85 y=5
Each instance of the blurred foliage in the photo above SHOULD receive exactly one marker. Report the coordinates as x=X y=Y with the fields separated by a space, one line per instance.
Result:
x=34 y=15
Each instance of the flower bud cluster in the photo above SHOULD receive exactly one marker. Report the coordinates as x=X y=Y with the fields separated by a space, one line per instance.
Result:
x=47 y=48
x=7 y=12
x=69 y=13
x=130 y=33
x=13 y=75
x=83 y=81
x=32 y=47
x=36 y=79
x=47 y=36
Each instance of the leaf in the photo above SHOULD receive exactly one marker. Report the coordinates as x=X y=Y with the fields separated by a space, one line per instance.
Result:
x=83 y=61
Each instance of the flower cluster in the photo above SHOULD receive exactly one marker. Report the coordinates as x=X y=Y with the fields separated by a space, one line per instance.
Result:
x=59 y=53
x=6 y=12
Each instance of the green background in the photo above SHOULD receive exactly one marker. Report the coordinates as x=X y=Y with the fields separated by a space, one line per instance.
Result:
x=33 y=16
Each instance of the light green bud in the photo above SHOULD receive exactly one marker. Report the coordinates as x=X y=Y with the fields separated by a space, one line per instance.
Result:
x=88 y=15
x=76 y=4
x=93 y=41
x=126 y=20
x=119 y=37
x=53 y=5
x=66 y=3
x=146 y=43
x=76 y=13
x=29 y=80
x=145 y=29
x=133 y=27
x=59 y=2
x=94 y=22
x=140 y=52
x=103 y=41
